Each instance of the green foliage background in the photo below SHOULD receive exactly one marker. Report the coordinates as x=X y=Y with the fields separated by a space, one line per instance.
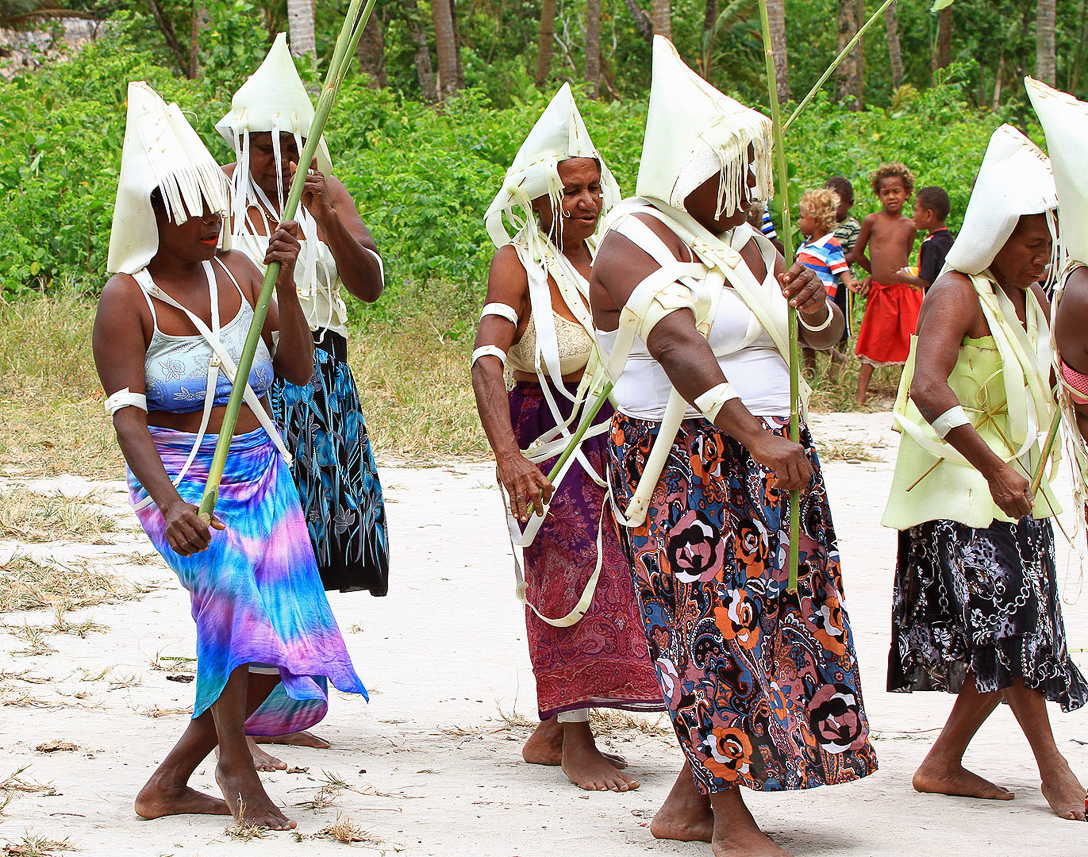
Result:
x=422 y=176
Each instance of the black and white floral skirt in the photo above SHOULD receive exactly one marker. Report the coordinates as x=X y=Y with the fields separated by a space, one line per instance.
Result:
x=984 y=602
x=337 y=479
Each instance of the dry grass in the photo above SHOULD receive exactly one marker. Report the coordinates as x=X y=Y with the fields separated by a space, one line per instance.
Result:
x=56 y=747
x=412 y=374
x=15 y=783
x=156 y=712
x=33 y=516
x=31 y=584
x=831 y=449
x=332 y=787
x=173 y=663
x=612 y=723
x=347 y=831
x=51 y=417
x=36 y=845
x=34 y=636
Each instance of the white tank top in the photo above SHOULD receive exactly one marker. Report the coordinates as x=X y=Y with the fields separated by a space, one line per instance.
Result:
x=747 y=356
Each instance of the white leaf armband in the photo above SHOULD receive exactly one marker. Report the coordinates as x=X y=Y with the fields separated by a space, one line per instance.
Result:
x=489 y=351
x=952 y=418
x=710 y=402
x=125 y=398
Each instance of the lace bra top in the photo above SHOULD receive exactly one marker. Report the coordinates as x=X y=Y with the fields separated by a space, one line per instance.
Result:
x=176 y=367
x=575 y=346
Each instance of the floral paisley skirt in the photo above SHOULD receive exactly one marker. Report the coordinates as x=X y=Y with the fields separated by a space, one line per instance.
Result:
x=980 y=601
x=337 y=479
x=762 y=686
x=601 y=661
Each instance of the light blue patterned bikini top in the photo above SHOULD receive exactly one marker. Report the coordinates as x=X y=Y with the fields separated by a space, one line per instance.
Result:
x=176 y=367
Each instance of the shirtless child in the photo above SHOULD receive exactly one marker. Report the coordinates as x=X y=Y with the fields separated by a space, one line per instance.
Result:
x=891 y=313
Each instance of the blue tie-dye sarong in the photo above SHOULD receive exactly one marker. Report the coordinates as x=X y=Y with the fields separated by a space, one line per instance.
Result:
x=256 y=594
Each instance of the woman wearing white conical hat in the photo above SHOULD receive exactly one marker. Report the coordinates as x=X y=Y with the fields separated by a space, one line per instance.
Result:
x=585 y=640
x=170 y=328
x=322 y=420
x=975 y=608
x=691 y=308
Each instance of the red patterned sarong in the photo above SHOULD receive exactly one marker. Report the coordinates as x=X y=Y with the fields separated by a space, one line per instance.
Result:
x=891 y=317
x=602 y=661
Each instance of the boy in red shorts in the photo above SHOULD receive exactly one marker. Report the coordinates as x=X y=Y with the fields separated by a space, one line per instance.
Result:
x=891 y=313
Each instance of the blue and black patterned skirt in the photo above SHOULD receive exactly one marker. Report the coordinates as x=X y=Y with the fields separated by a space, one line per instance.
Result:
x=337 y=479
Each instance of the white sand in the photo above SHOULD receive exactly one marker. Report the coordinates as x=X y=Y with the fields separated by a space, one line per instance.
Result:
x=434 y=769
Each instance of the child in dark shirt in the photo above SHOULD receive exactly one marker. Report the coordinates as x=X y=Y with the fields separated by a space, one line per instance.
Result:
x=931 y=207
x=847 y=230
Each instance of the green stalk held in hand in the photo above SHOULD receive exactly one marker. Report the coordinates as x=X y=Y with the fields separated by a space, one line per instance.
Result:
x=346 y=43
x=787 y=244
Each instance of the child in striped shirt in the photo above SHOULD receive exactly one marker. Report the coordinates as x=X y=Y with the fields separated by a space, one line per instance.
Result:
x=821 y=250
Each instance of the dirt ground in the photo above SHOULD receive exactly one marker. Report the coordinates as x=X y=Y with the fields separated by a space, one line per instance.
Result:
x=431 y=765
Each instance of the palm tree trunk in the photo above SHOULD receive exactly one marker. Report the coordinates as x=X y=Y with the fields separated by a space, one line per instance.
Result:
x=996 y=103
x=1045 y=64
x=200 y=23
x=776 y=15
x=895 y=53
x=662 y=14
x=546 y=42
x=593 y=47
x=371 y=53
x=300 y=28
x=418 y=34
x=943 y=57
x=446 y=47
x=710 y=19
x=457 y=45
x=850 y=79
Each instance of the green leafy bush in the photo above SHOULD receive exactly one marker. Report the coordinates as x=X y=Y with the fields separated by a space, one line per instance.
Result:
x=422 y=176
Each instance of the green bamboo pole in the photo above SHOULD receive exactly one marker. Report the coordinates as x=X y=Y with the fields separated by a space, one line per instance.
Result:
x=583 y=427
x=787 y=243
x=346 y=42
x=831 y=68
x=1048 y=446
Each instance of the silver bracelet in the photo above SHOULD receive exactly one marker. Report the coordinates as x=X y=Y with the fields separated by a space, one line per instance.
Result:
x=824 y=325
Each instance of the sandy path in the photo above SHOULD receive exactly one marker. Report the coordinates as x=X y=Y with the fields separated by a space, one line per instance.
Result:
x=433 y=767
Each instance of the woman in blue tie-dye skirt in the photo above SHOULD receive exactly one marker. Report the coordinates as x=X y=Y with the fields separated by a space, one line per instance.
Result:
x=267 y=642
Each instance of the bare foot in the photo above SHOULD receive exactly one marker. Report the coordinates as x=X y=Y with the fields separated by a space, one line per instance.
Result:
x=934 y=778
x=295 y=739
x=1064 y=793
x=860 y=398
x=686 y=814
x=747 y=843
x=157 y=799
x=247 y=799
x=586 y=767
x=736 y=833
x=545 y=745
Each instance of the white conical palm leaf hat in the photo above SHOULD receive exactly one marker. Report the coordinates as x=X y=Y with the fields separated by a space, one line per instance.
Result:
x=161 y=150
x=274 y=99
x=1014 y=180
x=1065 y=123
x=558 y=134
x=693 y=131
